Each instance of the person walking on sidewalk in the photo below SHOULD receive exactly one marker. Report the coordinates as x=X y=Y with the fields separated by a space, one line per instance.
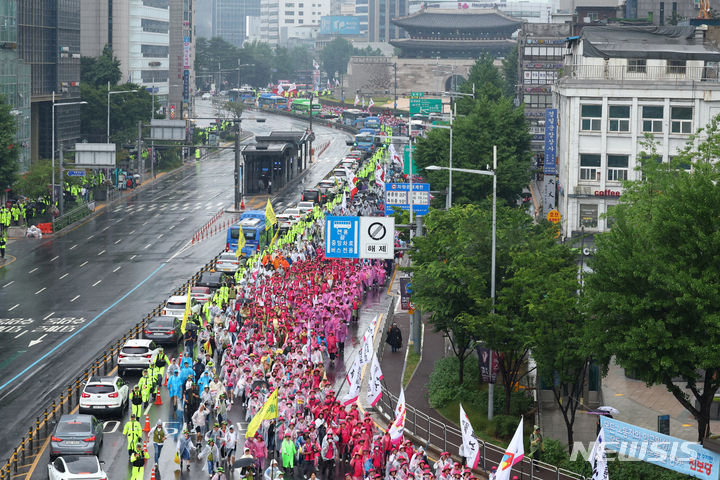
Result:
x=537 y=446
x=394 y=337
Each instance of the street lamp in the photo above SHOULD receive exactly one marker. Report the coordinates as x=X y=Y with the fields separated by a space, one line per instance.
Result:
x=492 y=172
x=116 y=92
x=53 y=147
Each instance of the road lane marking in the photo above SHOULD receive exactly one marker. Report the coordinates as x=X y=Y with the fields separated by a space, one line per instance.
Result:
x=171 y=227
x=131 y=232
x=55 y=258
x=21 y=333
x=73 y=246
x=119 y=220
x=133 y=257
x=22 y=373
x=63 y=276
x=48 y=316
x=118 y=268
x=91 y=237
x=41 y=290
x=101 y=253
x=118 y=241
x=105 y=228
x=76 y=297
x=146 y=222
x=31 y=271
x=146 y=246
x=95 y=284
x=8 y=284
x=13 y=307
x=161 y=235
x=84 y=263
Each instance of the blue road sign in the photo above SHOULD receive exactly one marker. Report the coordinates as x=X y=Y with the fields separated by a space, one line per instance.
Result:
x=75 y=173
x=342 y=237
x=397 y=196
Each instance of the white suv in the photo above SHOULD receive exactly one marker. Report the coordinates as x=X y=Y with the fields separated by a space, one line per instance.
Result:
x=175 y=306
x=136 y=355
x=104 y=394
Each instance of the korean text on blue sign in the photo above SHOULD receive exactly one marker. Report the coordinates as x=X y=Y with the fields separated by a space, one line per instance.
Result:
x=397 y=195
x=550 y=141
x=342 y=237
x=663 y=450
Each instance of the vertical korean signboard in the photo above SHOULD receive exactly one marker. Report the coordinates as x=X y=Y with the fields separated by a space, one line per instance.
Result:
x=550 y=166
x=186 y=70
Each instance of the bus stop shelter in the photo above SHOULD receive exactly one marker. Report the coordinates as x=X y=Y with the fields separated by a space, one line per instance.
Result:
x=275 y=159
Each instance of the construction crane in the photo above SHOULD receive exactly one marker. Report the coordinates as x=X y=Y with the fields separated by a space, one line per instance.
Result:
x=704 y=12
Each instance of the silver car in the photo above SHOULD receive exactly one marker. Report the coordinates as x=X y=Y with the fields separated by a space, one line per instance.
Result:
x=227 y=262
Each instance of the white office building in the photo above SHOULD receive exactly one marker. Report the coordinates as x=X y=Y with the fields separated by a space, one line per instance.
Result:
x=141 y=42
x=619 y=84
x=277 y=19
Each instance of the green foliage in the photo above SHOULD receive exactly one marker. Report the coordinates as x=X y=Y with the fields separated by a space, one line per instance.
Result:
x=97 y=72
x=653 y=291
x=491 y=122
x=444 y=383
x=520 y=402
x=367 y=52
x=169 y=159
x=335 y=56
x=510 y=72
x=36 y=181
x=126 y=110
x=9 y=151
x=488 y=83
x=504 y=426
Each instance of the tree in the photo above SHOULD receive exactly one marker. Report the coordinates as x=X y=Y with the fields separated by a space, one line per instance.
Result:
x=652 y=299
x=126 y=111
x=367 y=52
x=335 y=56
x=9 y=150
x=510 y=73
x=489 y=123
x=35 y=182
x=486 y=80
x=101 y=70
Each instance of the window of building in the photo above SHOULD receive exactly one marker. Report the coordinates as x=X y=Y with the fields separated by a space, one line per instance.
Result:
x=289 y=20
x=155 y=26
x=300 y=21
x=154 y=76
x=652 y=119
x=301 y=12
x=156 y=3
x=301 y=5
x=154 y=51
x=681 y=119
x=617 y=168
x=588 y=217
x=591 y=117
x=619 y=118
x=638 y=65
x=289 y=5
x=589 y=167
x=676 y=66
x=593 y=16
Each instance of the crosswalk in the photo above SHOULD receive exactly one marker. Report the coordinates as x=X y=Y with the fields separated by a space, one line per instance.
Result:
x=254 y=202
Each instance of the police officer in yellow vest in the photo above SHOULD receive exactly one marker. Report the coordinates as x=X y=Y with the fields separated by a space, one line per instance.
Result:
x=137 y=460
x=133 y=432
x=161 y=361
x=136 y=402
x=145 y=383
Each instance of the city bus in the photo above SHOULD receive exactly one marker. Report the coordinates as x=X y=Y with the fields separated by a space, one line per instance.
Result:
x=270 y=101
x=252 y=225
x=352 y=116
x=372 y=123
x=244 y=95
x=302 y=105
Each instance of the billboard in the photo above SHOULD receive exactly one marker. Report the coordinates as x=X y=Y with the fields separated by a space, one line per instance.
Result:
x=340 y=25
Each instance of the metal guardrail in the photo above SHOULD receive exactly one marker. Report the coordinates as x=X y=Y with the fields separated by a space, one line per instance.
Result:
x=445 y=437
x=667 y=74
x=69 y=397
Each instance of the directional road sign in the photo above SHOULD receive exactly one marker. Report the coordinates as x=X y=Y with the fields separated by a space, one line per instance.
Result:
x=425 y=105
x=377 y=237
x=75 y=173
x=397 y=196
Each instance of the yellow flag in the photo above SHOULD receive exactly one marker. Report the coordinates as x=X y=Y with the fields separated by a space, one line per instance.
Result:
x=274 y=238
x=270 y=218
x=186 y=314
x=268 y=411
x=241 y=243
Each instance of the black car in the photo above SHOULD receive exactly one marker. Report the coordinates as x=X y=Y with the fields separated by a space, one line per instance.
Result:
x=311 y=195
x=163 y=330
x=213 y=280
x=76 y=434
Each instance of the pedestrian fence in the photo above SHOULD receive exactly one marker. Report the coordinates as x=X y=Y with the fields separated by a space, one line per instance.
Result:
x=68 y=397
x=437 y=434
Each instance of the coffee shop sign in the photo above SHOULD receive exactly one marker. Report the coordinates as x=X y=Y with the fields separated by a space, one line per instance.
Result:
x=606 y=193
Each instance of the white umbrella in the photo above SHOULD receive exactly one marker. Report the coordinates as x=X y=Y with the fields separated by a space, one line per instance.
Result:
x=610 y=410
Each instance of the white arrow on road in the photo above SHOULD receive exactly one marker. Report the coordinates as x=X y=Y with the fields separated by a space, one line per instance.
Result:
x=35 y=342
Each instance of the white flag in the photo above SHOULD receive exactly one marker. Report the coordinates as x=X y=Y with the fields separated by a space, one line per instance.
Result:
x=357 y=100
x=374 y=391
x=394 y=156
x=514 y=454
x=354 y=378
x=316 y=65
x=344 y=202
x=380 y=176
x=365 y=352
x=363 y=101
x=398 y=426
x=470 y=445
x=598 y=459
x=371 y=103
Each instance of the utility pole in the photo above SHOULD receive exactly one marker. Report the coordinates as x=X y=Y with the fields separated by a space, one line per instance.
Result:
x=62 y=184
x=416 y=330
x=310 y=140
x=238 y=175
x=139 y=150
x=491 y=386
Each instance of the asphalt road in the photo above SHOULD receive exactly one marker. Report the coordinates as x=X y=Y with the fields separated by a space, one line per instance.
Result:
x=65 y=298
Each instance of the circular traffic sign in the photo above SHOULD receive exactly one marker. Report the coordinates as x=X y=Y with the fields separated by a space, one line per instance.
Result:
x=377 y=231
x=554 y=216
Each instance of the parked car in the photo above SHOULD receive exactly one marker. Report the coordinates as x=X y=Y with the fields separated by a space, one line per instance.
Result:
x=104 y=395
x=310 y=195
x=163 y=330
x=228 y=262
x=136 y=355
x=76 y=467
x=175 y=306
x=212 y=280
x=200 y=295
x=76 y=434
x=305 y=207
